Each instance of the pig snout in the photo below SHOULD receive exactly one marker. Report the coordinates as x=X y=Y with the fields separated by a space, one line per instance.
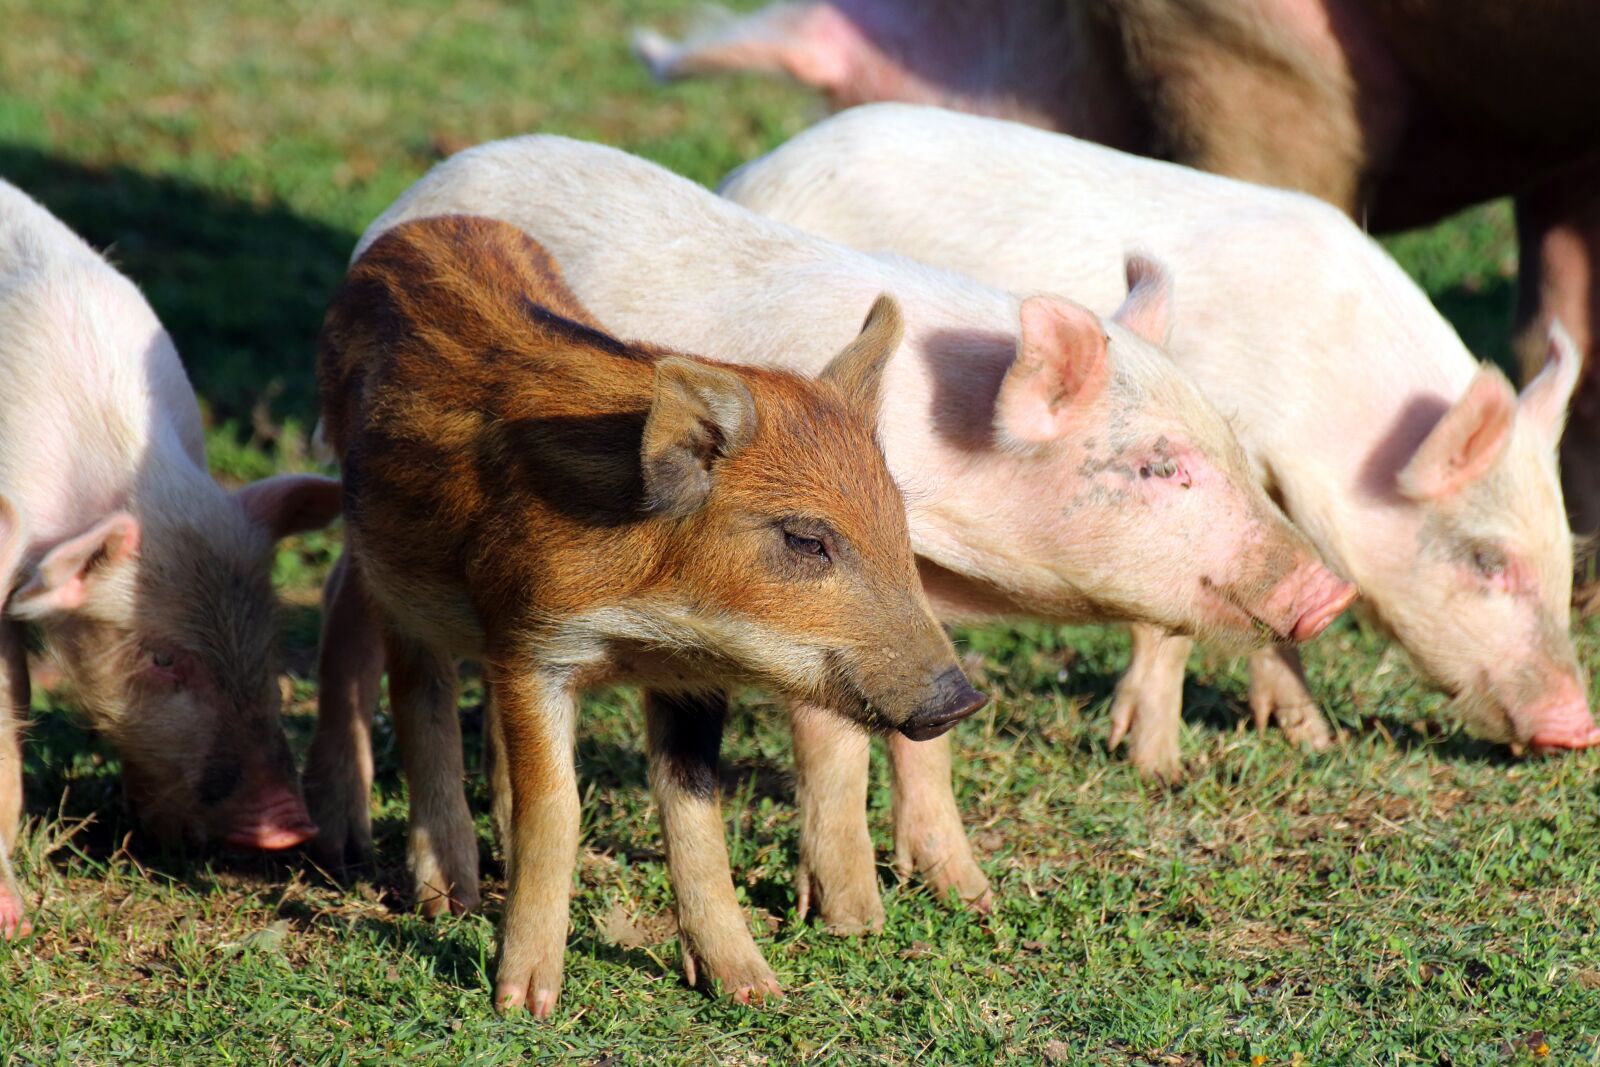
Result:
x=1302 y=605
x=271 y=818
x=1560 y=722
x=951 y=700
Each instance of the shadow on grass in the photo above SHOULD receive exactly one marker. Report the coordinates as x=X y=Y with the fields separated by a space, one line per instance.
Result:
x=240 y=286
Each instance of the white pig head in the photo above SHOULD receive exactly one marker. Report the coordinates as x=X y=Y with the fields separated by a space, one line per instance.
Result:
x=1124 y=450
x=1481 y=598
x=163 y=623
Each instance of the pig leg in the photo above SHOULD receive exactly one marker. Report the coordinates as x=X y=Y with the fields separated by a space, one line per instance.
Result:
x=338 y=775
x=536 y=716
x=685 y=737
x=1278 y=691
x=929 y=838
x=1148 y=706
x=806 y=40
x=838 y=867
x=443 y=847
x=1558 y=230
x=13 y=712
x=494 y=769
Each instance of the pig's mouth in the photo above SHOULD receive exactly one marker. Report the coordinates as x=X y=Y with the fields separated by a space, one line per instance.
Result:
x=1239 y=615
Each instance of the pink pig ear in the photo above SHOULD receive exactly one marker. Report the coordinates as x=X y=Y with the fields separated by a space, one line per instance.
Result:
x=291 y=503
x=63 y=578
x=1147 y=311
x=1544 y=401
x=1062 y=365
x=1466 y=443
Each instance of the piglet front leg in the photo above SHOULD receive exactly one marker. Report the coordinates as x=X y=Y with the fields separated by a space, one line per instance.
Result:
x=1278 y=692
x=1148 y=706
x=929 y=838
x=14 y=699
x=685 y=738
x=536 y=725
x=838 y=872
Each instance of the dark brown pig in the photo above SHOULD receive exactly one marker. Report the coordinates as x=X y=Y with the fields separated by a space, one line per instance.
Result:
x=572 y=511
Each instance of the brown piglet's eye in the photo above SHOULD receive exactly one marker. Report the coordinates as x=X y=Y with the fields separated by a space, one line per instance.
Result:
x=162 y=661
x=805 y=546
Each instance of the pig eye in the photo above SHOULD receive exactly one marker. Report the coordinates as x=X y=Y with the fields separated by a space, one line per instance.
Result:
x=162 y=661
x=806 y=546
x=1490 y=561
x=1161 y=468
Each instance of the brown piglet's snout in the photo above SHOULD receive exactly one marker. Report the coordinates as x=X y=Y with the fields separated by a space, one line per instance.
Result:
x=950 y=699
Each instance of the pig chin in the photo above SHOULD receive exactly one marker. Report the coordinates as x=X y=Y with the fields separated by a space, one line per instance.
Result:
x=1557 y=720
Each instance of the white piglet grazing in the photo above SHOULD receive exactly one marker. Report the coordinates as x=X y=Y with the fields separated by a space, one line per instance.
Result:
x=147 y=584
x=1415 y=470
x=1056 y=464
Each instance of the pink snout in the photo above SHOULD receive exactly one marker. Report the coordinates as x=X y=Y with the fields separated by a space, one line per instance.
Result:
x=1559 y=724
x=1305 y=602
x=273 y=818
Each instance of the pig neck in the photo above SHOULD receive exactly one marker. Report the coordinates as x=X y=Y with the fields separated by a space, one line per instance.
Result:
x=937 y=433
x=1333 y=449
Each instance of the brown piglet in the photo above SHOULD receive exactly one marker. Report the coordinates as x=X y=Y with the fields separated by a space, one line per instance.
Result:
x=572 y=511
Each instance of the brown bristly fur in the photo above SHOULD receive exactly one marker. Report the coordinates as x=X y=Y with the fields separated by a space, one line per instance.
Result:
x=526 y=490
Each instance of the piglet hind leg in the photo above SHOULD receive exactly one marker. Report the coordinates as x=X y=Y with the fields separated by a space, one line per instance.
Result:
x=837 y=874
x=338 y=775
x=14 y=693
x=685 y=737
x=929 y=839
x=1147 y=708
x=443 y=847
x=1278 y=693
x=535 y=715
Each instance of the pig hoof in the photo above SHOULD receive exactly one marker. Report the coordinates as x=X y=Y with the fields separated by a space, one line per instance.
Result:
x=962 y=874
x=1158 y=760
x=749 y=985
x=846 y=906
x=510 y=997
x=1303 y=724
x=14 y=924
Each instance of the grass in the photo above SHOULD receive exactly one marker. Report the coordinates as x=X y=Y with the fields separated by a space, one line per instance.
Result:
x=1411 y=897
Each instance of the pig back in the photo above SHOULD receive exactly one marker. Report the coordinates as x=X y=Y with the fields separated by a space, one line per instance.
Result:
x=468 y=414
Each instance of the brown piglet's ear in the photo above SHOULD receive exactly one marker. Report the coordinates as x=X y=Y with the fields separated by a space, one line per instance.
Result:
x=1062 y=365
x=701 y=414
x=64 y=577
x=291 y=503
x=1466 y=442
x=857 y=371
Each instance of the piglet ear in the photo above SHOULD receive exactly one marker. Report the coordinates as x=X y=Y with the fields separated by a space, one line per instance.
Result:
x=1466 y=443
x=1544 y=402
x=1147 y=311
x=1062 y=365
x=858 y=368
x=291 y=503
x=63 y=579
x=701 y=415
